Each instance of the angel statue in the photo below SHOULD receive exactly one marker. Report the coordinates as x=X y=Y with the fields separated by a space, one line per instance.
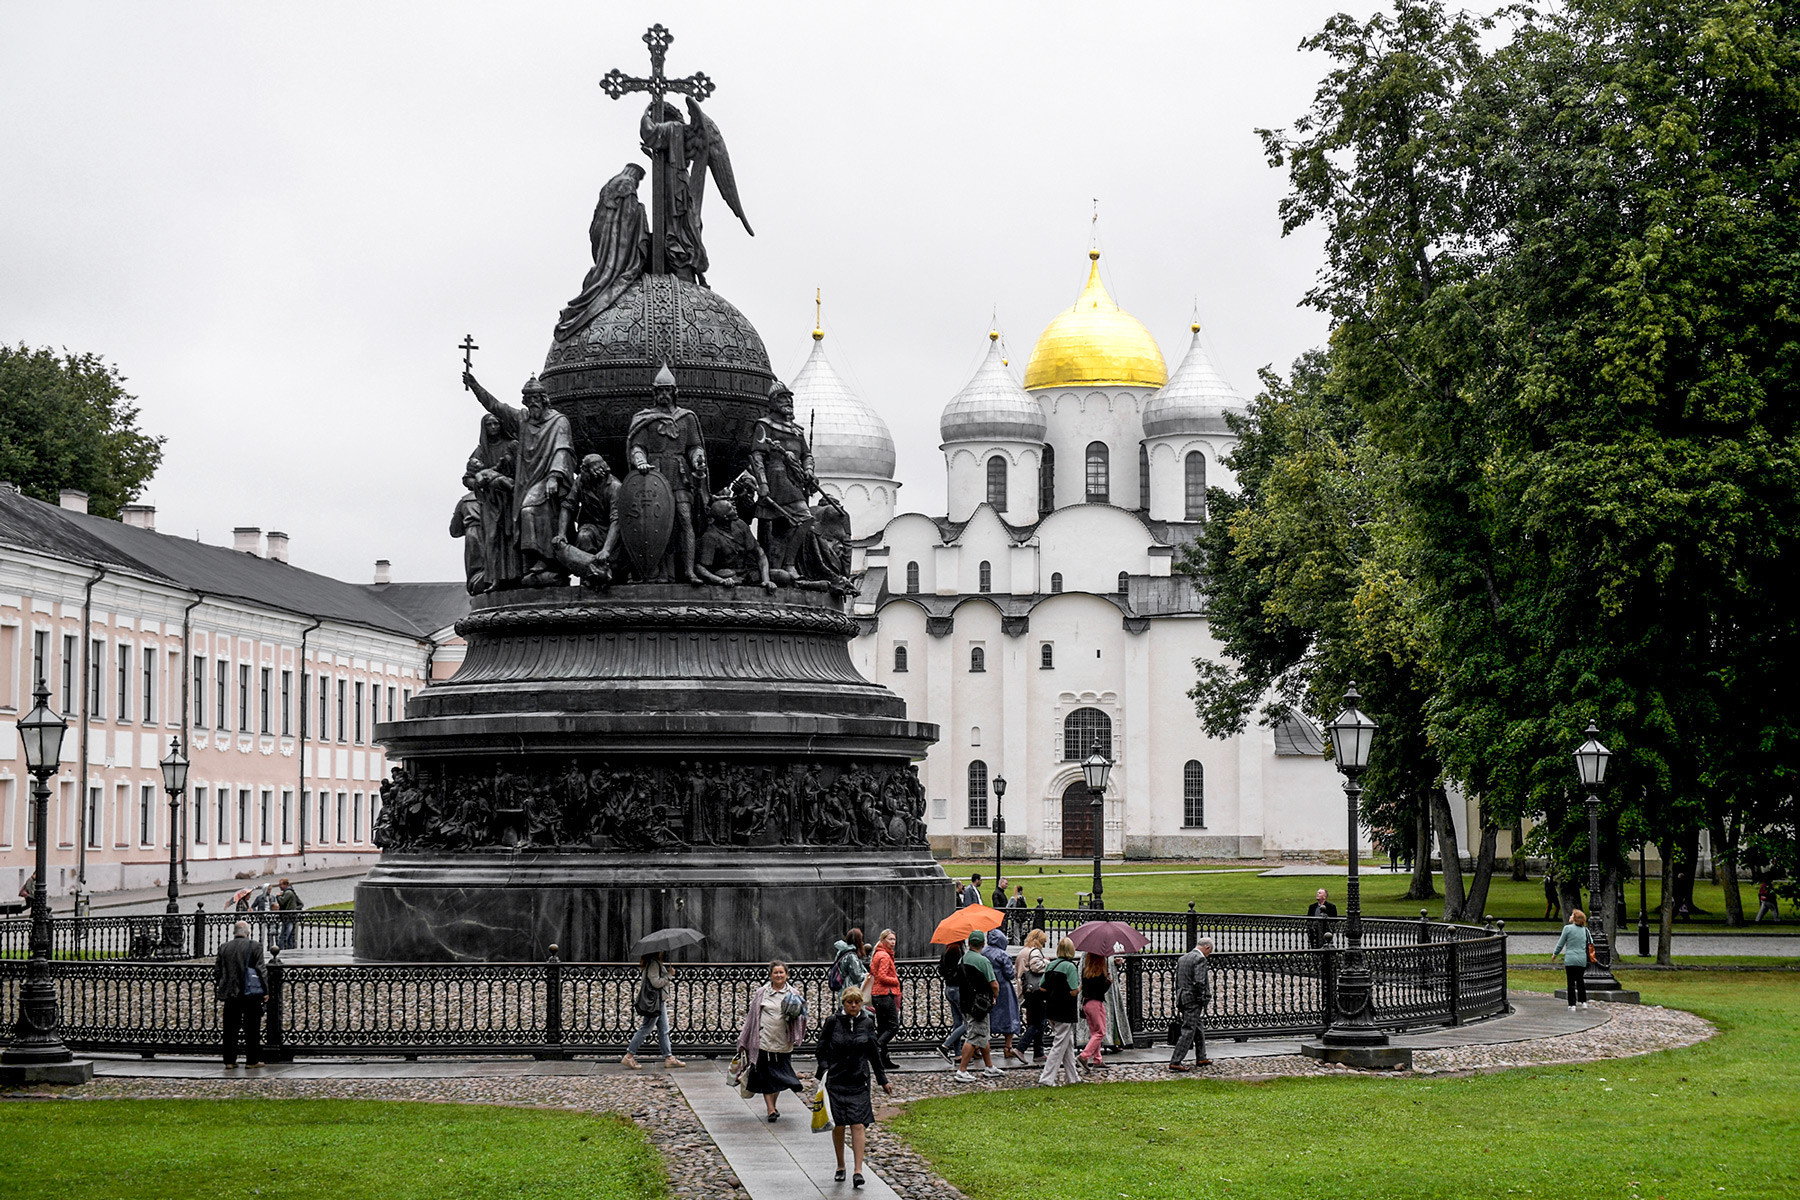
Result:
x=688 y=150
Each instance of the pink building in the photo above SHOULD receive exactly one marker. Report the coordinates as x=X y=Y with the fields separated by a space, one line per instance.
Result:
x=273 y=677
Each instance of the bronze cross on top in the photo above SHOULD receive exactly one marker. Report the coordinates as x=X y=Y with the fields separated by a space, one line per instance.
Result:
x=468 y=347
x=616 y=83
x=662 y=180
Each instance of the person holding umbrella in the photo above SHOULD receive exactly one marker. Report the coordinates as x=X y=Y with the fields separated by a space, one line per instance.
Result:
x=651 y=1004
x=1061 y=985
x=1098 y=940
x=952 y=933
x=775 y=1024
x=980 y=992
x=848 y=1050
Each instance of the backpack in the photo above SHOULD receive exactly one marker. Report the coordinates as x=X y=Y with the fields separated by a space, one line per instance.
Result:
x=1059 y=993
x=978 y=999
x=835 y=976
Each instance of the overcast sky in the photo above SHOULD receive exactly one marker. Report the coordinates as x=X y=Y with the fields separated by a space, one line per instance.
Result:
x=278 y=220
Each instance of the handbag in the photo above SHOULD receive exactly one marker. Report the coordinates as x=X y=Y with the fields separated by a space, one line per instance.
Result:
x=739 y=1074
x=820 y=1103
x=649 y=1000
x=1592 y=957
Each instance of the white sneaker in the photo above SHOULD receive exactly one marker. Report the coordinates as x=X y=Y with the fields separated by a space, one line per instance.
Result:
x=1582 y=1006
x=963 y=1077
x=992 y=1072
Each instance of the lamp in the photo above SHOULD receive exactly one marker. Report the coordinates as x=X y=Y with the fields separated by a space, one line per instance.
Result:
x=1591 y=758
x=41 y=731
x=1097 y=768
x=1352 y=733
x=999 y=833
x=174 y=773
x=1353 y=1022
x=1590 y=764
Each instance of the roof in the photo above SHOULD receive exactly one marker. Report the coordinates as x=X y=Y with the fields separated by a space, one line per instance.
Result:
x=992 y=407
x=1298 y=737
x=1196 y=398
x=847 y=435
x=1095 y=343
x=414 y=610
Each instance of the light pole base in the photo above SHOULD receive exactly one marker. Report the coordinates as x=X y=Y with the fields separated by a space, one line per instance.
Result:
x=1608 y=995
x=72 y=1073
x=1363 y=1058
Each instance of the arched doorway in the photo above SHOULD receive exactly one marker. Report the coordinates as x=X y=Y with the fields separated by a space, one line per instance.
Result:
x=1077 y=821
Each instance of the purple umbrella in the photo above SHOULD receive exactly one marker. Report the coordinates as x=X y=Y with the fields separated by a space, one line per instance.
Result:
x=1108 y=937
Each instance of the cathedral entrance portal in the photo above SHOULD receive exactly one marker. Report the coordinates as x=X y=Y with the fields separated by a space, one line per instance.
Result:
x=1077 y=822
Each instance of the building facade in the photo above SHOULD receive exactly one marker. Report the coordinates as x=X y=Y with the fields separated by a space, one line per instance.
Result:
x=273 y=677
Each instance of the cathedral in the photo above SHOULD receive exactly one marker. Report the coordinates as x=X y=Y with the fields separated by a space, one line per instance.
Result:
x=1040 y=613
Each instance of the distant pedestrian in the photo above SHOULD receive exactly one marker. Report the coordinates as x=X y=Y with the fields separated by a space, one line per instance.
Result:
x=1118 y=1017
x=1193 y=991
x=652 y=1008
x=259 y=899
x=998 y=900
x=1552 y=902
x=1062 y=988
x=1033 y=962
x=775 y=1024
x=972 y=893
x=1767 y=902
x=1003 y=1022
x=980 y=991
x=289 y=904
x=884 y=988
x=1096 y=981
x=1018 y=913
x=848 y=1051
x=949 y=969
x=1576 y=945
x=1321 y=910
x=847 y=967
x=241 y=901
x=239 y=983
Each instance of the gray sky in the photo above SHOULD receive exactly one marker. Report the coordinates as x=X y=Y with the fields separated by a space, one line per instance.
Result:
x=278 y=220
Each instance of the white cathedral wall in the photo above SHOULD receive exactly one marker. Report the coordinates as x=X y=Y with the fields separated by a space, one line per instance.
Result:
x=869 y=500
x=1089 y=544
x=1168 y=471
x=1077 y=416
x=965 y=478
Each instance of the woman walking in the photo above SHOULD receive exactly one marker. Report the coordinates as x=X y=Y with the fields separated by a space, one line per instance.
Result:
x=848 y=1051
x=1575 y=945
x=884 y=987
x=1062 y=986
x=1033 y=962
x=1118 y=1019
x=652 y=1008
x=1004 y=1020
x=848 y=960
x=775 y=1024
x=1096 y=981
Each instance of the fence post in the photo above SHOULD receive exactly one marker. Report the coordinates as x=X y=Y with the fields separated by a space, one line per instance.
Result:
x=1328 y=985
x=275 y=1047
x=1455 y=981
x=1505 y=1003
x=1193 y=926
x=1134 y=1000
x=1037 y=918
x=1424 y=929
x=553 y=1032
x=199 y=930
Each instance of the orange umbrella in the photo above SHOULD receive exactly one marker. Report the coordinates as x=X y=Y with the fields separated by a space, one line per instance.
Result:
x=960 y=924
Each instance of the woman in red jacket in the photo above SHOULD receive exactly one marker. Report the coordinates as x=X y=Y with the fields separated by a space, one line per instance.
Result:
x=884 y=988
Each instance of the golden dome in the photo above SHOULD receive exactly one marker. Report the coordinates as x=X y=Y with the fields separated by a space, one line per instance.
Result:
x=1095 y=343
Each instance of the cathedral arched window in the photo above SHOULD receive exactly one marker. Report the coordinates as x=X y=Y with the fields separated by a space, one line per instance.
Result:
x=1195 y=485
x=978 y=794
x=1046 y=656
x=1124 y=583
x=977 y=659
x=1193 y=795
x=1080 y=728
x=912 y=578
x=1144 y=476
x=996 y=481
x=1047 y=480
x=900 y=659
x=986 y=581
x=1099 y=477
x=1055 y=582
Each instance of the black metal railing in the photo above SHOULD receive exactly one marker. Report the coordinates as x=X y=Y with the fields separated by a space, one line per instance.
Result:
x=197 y=934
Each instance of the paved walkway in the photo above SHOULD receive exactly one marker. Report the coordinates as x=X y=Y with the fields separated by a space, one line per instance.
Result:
x=1782 y=945
x=331 y=885
x=781 y=1161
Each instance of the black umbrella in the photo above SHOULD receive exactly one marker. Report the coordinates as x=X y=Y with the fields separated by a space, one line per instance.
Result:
x=664 y=940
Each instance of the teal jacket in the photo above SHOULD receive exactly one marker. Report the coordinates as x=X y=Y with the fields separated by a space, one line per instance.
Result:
x=1573 y=945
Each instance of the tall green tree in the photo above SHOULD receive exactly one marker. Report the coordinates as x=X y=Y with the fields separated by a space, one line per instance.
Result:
x=66 y=421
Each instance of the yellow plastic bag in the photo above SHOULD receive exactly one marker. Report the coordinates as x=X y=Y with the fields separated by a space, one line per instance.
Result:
x=820 y=1103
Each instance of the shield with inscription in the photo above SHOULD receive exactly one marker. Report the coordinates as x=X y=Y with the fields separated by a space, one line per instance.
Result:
x=646 y=520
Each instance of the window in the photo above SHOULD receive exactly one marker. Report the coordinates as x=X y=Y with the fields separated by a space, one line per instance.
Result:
x=356 y=817
x=343 y=726
x=1080 y=728
x=912 y=578
x=974 y=735
x=222 y=830
x=199 y=692
x=146 y=815
x=40 y=657
x=96 y=669
x=324 y=691
x=360 y=685
x=987 y=577
x=243 y=814
x=173 y=675
x=305 y=799
x=287 y=704
x=996 y=482
x=978 y=794
x=1193 y=795
x=977 y=659
x=1194 y=483
x=287 y=814
x=374 y=708
x=222 y=698
x=1055 y=583
x=1047 y=480
x=900 y=659
x=263 y=679
x=1144 y=476
x=1099 y=479
x=390 y=704
x=243 y=698
x=324 y=827
x=264 y=803
x=124 y=697
x=405 y=699
x=71 y=646
x=1124 y=583
x=1046 y=656
x=343 y=803
x=122 y=815
x=147 y=714
x=200 y=816
x=96 y=798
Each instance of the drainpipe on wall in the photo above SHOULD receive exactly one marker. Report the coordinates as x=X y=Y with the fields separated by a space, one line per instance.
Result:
x=305 y=674
x=187 y=739
x=81 y=794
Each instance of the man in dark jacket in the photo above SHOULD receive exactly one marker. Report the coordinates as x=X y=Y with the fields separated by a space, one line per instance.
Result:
x=1193 y=989
x=238 y=981
x=288 y=905
x=1321 y=910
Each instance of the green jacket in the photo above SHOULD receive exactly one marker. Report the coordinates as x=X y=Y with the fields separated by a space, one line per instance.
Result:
x=1573 y=945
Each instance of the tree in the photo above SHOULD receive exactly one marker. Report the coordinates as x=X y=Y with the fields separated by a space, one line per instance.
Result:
x=67 y=422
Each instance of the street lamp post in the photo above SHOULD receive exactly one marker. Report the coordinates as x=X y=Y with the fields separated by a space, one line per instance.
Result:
x=37 y=1053
x=1097 y=767
x=1353 y=1019
x=174 y=773
x=1643 y=903
x=999 y=823
x=1590 y=761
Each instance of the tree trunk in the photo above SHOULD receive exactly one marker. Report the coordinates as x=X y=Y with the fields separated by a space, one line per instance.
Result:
x=1687 y=853
x=1421 y=887
x=1610 y=882
x=1517 y=861
x=1726 y=834
x=1665 y=931
x=1476 y=905
x=1451 y=854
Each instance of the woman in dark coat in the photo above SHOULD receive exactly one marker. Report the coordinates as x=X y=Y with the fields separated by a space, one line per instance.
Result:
x=848 y=1051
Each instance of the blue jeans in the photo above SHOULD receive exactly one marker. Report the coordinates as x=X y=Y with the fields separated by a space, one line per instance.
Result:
x=953 y=997
x=660 y=1023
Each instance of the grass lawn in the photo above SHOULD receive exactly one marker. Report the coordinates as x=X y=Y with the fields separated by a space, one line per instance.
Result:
x=1718 y=1119
x=329 y=1149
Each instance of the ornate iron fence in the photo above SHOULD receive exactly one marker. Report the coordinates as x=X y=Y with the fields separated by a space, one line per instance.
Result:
x=198 y=934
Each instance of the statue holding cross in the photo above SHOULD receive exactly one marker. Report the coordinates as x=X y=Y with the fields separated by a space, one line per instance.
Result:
x=682 y=154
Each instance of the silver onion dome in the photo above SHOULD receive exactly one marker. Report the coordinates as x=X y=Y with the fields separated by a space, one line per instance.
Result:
x=992 y=407
x=1196 y=398
x=847 y=436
